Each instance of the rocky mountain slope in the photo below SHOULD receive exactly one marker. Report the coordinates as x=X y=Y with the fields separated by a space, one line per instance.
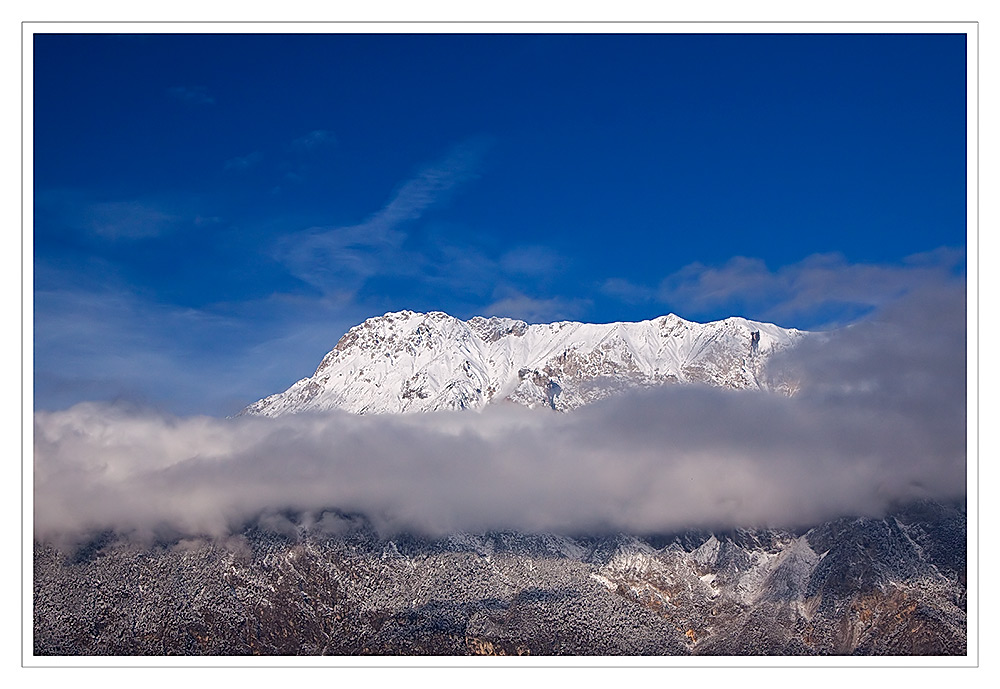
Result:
x=406 y=361
x=328 y=584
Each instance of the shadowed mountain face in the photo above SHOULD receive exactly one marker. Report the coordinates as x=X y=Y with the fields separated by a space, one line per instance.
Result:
x=406 y=362
x=329 y=584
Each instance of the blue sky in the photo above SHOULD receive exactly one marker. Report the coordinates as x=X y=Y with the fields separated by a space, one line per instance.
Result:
x=213 y=212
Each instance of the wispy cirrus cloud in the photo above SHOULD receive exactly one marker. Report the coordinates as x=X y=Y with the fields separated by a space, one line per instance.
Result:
x=106 y=343
x=245 y=162
x=335 y=258
x=98 y=338
x=627 y=291
x=317 y=138
x=512 y=303
x=197 y=95
x=128 y=219
x=293 y=162
x=146 y=217
x=535 y=261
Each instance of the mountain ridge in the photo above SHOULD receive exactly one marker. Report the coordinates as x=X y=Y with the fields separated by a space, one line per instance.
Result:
x=406 y=361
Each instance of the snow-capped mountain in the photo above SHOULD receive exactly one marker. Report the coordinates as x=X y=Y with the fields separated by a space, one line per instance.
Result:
x=406 y=361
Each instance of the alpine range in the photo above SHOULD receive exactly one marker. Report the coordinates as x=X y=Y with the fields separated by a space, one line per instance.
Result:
x=405 y=362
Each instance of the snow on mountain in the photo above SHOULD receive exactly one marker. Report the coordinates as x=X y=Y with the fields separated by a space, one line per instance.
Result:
x=406 y=362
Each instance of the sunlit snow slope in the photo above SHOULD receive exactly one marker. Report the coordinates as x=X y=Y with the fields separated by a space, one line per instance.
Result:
x=406 y=361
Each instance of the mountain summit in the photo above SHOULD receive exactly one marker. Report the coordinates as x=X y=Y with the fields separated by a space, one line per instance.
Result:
x=406 y=361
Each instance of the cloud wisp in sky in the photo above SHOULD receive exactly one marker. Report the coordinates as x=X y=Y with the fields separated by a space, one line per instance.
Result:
x=79 y=215
x=128 y=220
x=317 y=138
x=244 y=162
x=104 y=342
x=818 y=284
x=339 y=258
x=512 y=302
x=879 y=418
x=198 y=95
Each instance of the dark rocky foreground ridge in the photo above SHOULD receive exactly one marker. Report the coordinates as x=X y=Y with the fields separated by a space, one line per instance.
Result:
x=891 y=586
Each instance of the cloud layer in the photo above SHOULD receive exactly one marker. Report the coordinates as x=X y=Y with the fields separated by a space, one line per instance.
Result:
x=879 y=417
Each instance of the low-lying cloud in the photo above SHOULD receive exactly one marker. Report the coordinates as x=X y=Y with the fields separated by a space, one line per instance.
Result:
x=879 y=417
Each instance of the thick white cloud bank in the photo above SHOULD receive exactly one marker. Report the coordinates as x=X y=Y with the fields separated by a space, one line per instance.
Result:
x=879 y=417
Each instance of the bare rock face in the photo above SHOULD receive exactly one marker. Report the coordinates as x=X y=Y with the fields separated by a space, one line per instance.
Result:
x=407 y=362
x=890 y=586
